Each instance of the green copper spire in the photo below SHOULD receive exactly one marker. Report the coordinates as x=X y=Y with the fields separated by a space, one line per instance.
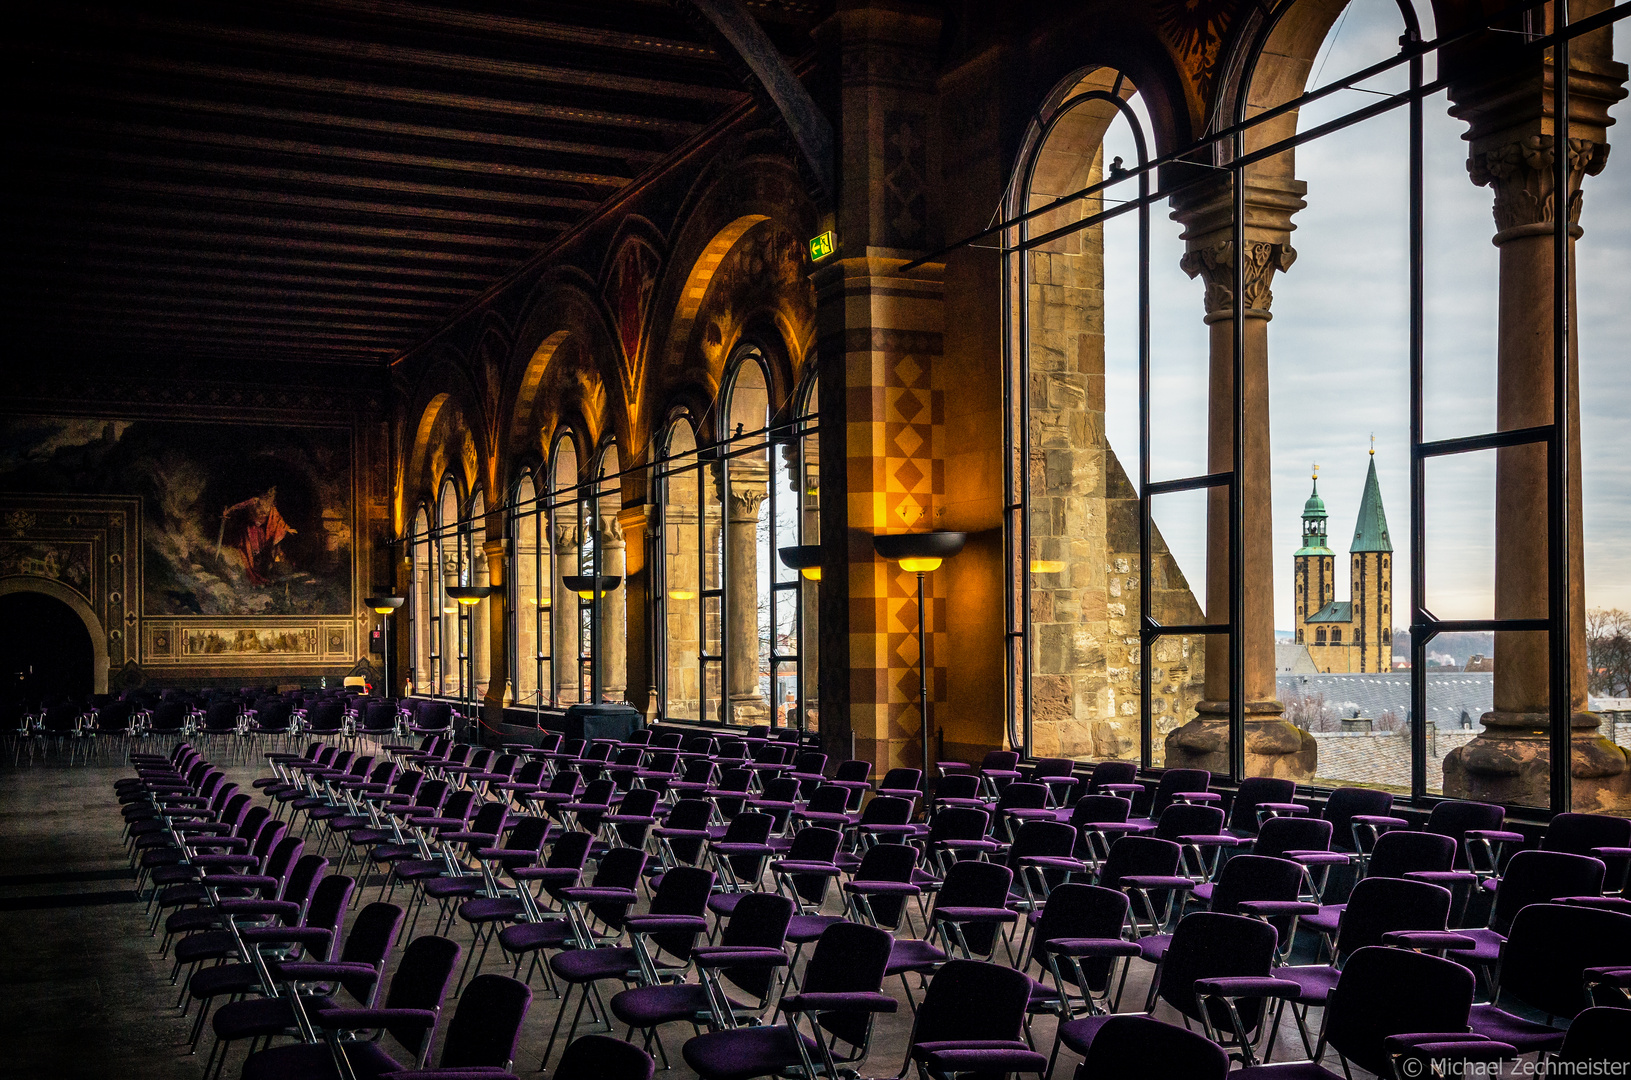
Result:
x=1370 y=534
x=1314 y=523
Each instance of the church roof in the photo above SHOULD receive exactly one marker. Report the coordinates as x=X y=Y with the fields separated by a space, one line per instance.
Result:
x=1370 y=534
x=1313 y=537
x=1337 y=611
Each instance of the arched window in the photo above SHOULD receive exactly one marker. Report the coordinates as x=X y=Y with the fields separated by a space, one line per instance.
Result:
x=450 y=567
x=478 y=630
x=563 y=537
x=1299 y=637
x=422 y=605
x=1319 y=636
x=526 y=617
x=745 y=478
x=680 y=480
x=605 y=554
x=1336 y=635
x=1387 y=637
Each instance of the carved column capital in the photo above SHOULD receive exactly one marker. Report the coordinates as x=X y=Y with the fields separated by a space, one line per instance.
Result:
x=1522 y=175
x=745 y=500
x=1214 y=264
x=566 y=537
x=611 y=532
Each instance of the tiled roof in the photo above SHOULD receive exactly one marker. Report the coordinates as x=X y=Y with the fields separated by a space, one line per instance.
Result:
x=1449 y=695
x=1370 y=533
x=1340 y=611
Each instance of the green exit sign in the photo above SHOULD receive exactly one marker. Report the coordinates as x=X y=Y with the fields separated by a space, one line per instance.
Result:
x=822 y=246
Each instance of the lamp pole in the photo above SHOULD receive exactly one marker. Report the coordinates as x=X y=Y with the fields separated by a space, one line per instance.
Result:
x=384 y=605
x=468 y=596
x=923 y=683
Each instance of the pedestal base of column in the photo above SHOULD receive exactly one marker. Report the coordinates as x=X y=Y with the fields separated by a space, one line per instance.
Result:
x=1510 y=762
x=1274 y=746
x=749 y=710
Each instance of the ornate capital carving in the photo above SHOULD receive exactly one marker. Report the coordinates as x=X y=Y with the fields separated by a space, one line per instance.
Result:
x=745 y=500
x=611 y=531
x=1214 y=264
x=566 y=537
x=1522 y=174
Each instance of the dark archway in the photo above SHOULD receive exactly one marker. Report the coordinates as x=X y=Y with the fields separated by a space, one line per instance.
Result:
x=45 y=649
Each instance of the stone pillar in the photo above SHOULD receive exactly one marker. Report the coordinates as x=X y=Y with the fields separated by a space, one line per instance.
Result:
x=1274 y=746
x=805 y=483
x=498 y=624
x=747 y=492
x=1513 y=147
x=613 y=645
x=565 y=648
x=639 y=607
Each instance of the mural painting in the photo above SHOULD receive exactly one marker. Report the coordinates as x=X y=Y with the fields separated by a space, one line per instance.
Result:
x=69 y=563
x=240 y=519
x=247 y=640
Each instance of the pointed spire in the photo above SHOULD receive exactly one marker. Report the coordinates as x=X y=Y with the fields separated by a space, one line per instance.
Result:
x=1370 y=533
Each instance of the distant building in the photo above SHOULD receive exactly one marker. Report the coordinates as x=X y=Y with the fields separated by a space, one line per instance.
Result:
x=1346 y=635
x=1480 y=662
x=1293 y=659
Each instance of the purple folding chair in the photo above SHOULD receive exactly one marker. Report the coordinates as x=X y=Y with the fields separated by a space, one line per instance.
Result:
x=972 y=1021
x=1136 y=1047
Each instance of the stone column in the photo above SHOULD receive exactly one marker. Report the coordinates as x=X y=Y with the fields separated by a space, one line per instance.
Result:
x=747 y=492
x=498 y=623
x=614 y=642
x=806 y=486
x=1274 y=747
x=564 y=615
x=639 y=606
x=1513 y=148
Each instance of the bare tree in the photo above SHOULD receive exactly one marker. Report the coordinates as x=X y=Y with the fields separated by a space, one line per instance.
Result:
x=1310 y=712
x=1608 y=652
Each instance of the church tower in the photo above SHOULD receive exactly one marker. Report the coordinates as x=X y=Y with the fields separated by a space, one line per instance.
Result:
x=1314 y=562
x=1372 y=566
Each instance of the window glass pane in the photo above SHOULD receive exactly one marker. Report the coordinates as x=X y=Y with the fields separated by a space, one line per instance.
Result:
x=682 y=578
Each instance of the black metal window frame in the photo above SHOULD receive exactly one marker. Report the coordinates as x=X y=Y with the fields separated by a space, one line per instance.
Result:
x=1225 y=151
x=766 y=441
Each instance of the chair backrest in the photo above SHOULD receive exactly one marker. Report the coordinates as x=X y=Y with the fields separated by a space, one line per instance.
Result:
x=460 y=804
x=1549 y=948
x=1597 y=1035
x=328 y=905
x=421 y=982
x=1099 y=809
x=433 y=715
x=1176 y=781
x=1384 y=992
x=1254 y=877
x=972 y=1000
x=250 y=825
x=601 y=1057
x=527 y=834
x=1111 y=772
x=1022 y=796
x=784 y=789
x=887 y=810
x=748 y=828
x=1207 y=945
x=848 y=959
x=810 y=764
x=1052 y=766
x=901 y=780
x=619 y=868
x=759 y=921
x=1189 y=819
x=490 y=818
x=958 y=823
x=887 y=862
x=379 y=717
x=303 y=879
x=372 y=934
x=1282 y=834
x=267 y=839
x=978 y=884
x=853 y=771
x=1454 y=817
x=1253 y=791
x=1400 y=851
x=1577 y=834
x=571 y=851
x=222 y=716
x=955 y=786
x=1537 y=877
x=487 y=1024
x=1041 y=838
x=815 y=844
x=1344 y=803
x=432 y=794
x=684 y=891
x=1075 y=910
x=168 y=717
x=828 y=799
x=999 y=759
x=1380 y=905
x=1132 y=1047
x=1139 y=855
x=284 y=856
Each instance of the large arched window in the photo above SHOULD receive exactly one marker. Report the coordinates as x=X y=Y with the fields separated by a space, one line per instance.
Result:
x=745 y=478
x=528 y=604
x=478 y=631
x=563 y=536
x=604 y=554
x=680 y=481
x=422 y=605
x=450 y=566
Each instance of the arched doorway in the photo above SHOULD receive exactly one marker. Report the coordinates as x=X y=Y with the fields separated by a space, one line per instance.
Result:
x=45 y=648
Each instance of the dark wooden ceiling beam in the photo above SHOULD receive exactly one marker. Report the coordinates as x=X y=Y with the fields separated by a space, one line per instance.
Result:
x=133 y=290
x=513 y=29
x=116 y=273
x=229 y=242
x=243 y=263
x=279 y=228
x=228 y=325
x=323 y=202
x=193 y=72
x=169 y=137
x=305 y=46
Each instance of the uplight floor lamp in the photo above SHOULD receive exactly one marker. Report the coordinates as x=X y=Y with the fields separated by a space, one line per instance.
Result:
x=921 y=553
x=384 y=606
x=595 y=587
x=806 y=559
x=468 y=597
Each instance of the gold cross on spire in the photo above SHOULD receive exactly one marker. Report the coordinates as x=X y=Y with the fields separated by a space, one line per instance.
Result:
x=1373 y=444
x=1316 y=470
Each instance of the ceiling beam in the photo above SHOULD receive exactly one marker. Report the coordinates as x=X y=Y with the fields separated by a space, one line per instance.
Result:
x=236 y=242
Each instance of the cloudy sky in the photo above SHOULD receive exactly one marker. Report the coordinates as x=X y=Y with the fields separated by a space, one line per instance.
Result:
x=1339 y=340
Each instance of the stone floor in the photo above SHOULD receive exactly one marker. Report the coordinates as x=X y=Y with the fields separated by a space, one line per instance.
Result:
x=84 y=993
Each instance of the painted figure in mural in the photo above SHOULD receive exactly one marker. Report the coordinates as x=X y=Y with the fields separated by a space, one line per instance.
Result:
x=258 y=531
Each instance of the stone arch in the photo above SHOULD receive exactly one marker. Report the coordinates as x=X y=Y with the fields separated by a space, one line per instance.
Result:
x=56 y=590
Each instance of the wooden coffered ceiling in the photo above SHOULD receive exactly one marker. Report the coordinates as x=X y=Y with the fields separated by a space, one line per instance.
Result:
x=325 y=179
